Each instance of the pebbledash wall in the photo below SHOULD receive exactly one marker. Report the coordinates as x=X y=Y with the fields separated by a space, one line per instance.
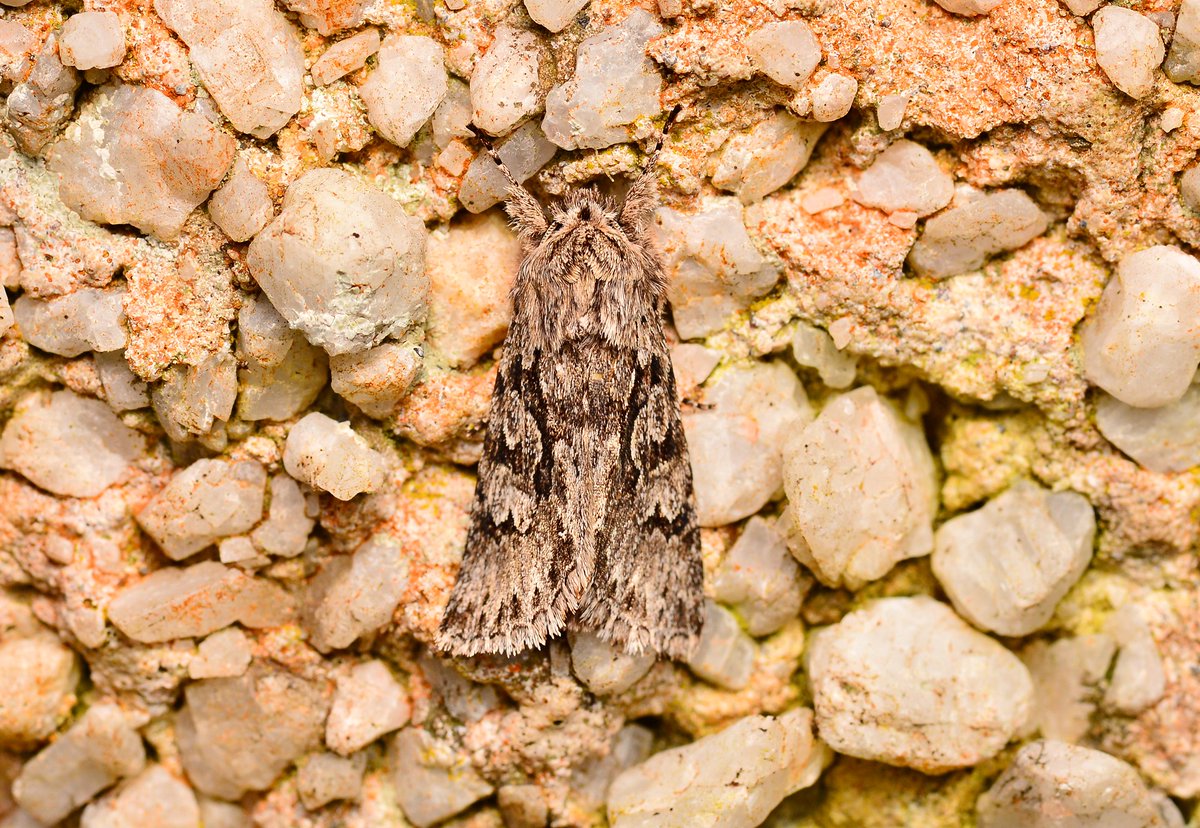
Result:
x=932 y=280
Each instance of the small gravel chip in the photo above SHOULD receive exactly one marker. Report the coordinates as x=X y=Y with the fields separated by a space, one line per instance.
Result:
x=969 y=8
x=1189 y=189
x=963 y=238
x=432 y=782
x=786 y=52
x=555 y=15
x=1128 y=48
x=905 y=177
x=355 y=594
x=833 y=97
x=822 y=199
x=814 y=348
x=725 y=654
x=376 y=380
x=207 y=501
x=524 y=152
x=1183 y=60
x=889 y=112
x=606 y=669
x=241 y=207
x=761 y=579
x=87 y=319
x=326 y=777
x=329 y=456
x=406 y=86
x=225 y=653
x=155 y=797
x=92 y=40
x=344 y=57
x=368 y=703
x=756 y=163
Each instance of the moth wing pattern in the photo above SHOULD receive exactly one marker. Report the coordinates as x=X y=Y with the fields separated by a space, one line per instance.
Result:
x=646 y=592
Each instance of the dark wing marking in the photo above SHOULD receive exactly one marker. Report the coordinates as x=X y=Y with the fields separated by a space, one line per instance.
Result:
x=647 y=585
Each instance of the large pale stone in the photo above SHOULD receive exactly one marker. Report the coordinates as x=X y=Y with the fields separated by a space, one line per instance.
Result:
x=99 y=749
x=736 y=446
x=367 y=704
x=376 y=380
x=1142 y=344
x=207 y=501
x=862 y=491
x=238 y=734
x=42 y=442
x=1128 y=49
x=342 y=262
x=247 y=54
x=432 y=783
x=615 y=84
x=134 y=157
x=195 y=601
x=1056 y=785
x=786 y=52
x=761 y=579
x=714 y=269
x=41 y=675
x=554 y=14
x=154 y=797
x=1007 y=565
x=406 y=86
x=768 y=156
x=1183 y=61
x=905 y=177
x=731 y=779
x=355 y=594
x=92 y=40
x=329 y=456
x=505 y=87
x=907 y=682
x=962 y=238
x=471 y=266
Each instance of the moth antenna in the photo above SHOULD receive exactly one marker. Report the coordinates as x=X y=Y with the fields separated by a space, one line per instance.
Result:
x=521 y=205
x=642 y=197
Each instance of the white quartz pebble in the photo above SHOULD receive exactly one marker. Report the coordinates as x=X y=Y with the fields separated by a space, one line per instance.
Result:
x=905 y=177
x=756 y=163
x=376 y=380
x=1141 y=343
x=524 y=152
x=969 y=8
x=41 y=678
x=43 y=439
x=355 y=594
x=787 y=52
x=813 y=347
x=889 y=112
x=123 y=389
x=1128 y=48
x=761 y=579
x=153 y=797
x=962 y=238
x=1138 y=678
x=285 y=531
x=724 y=654
x=367 y=704
x=241 y=207
x=889 y=684
x=554 y=14
x=1052 y=784
x=1183 y=60
x=345 y=56
x=406 y=86
x=1066 y=677
x=1007 y=565
x=1164 y=439
x=207 y=501
x=833 y=97
x=605 y=669
x=330 y=456
x=87 y=319
x=326 y=777
x=862 y=490
x=191 y=398
x=92 y=40
x=432 y=783
x=226 y=652
x=504 y=85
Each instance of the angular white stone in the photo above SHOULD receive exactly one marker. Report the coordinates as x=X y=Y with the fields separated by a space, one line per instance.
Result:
x=239 y=734
x=263 y=336
x=225 y=653
x=615 y=84
x=471 y=266
x=504 y=84
x=1128 y=49
x=736 y=447
x=345 y=56
x=328 y=16
x=207 y=501
x=1141 y=344
x=367 y=704
x=325 y=777
x=247 y=54
x=1066 y=674
x=432 y=783
x=239 y=550
x=1007 y=565
x=191 y=398
x=755 y=163
x=87 y=319
x=217 y=814
x=342 y=262
x=92 y=40
x=554 y=14
x=154 y=797
x=889 y=112
x=786 y=52
x=1138 y=677
x=969 y=8
x=197 y=600
x=605 y=669
x=41 y=676
x=761 y=579
x=692 y=364
x=630 y=746
x=43 y=100
x=833 y=97
x=465 y=700
x=287 y=527
x=242 y=206
x=376 y=380
x=355 y=594
x=524 y=152
x=43 y=438
x=406 y=86
x=1055 y=785
x=905 y=681
x=134 y=157
x=862 y=491
x=123 y=389
x=731 y=779
x=280 y=391
x=452 y=118
x=1189 y=189
x=1165 y=439
x=1183 y=60
x=813 y=347
x=962 y=238
x=99 y=749
x=905 y=176
x=329 y=456
x=713 y=267
x=724 y=654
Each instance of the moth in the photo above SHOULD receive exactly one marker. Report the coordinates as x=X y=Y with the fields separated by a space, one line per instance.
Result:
x=584 y=515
